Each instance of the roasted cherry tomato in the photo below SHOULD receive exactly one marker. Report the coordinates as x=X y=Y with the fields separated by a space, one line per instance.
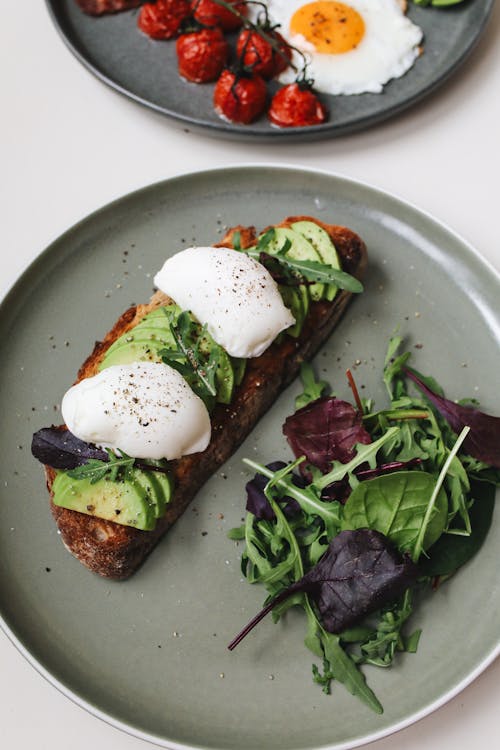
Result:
x=258 y=54
x=162 y=20
x=210 y=13
x=201 y=55
x=295 y=105
x=240 y=98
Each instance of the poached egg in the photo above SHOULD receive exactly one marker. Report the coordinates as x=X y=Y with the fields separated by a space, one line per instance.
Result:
x=229 y=292
x=144 y=409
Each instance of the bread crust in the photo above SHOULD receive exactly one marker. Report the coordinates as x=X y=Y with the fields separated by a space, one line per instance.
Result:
x=116 y=551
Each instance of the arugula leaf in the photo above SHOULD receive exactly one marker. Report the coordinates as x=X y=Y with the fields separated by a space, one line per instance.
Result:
x=309 y=501
x=95 y=470
x=313 y=271
x=364 y=453
x=338 y=665
x=313 y=389
x=321 y=273
x=380 y=647
x=393 y=368
x=188 y=359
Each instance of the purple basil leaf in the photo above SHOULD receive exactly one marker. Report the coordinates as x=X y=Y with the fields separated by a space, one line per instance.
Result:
x=483 y=440
x=62 y=450
x=325 y=430
x=339 y=491
x=359 y=573
x=257 y=502
x=364 y=474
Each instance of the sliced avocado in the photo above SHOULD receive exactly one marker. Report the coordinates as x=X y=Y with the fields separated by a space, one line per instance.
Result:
x=320 y=240
x=239 y=365
x=154 y=497
x=303 y=290
x=154 y=490
x=144 y=341
x=124 y=502
x=160 y=314
x=165 y=483
x=224 y=380
x=300 y=249
x=137 y=348
x=294 y=300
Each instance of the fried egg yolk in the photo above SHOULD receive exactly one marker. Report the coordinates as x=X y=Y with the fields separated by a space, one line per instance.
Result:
x=332 y=28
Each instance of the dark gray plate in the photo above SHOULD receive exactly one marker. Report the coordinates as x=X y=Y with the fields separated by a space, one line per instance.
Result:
x=116 y=52
x=148 y=655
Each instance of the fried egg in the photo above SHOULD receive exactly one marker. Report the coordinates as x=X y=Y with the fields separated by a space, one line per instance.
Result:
x=353 y=47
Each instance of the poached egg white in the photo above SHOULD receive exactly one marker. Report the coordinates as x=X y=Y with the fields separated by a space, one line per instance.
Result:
x=229 y=292
x=144 y=409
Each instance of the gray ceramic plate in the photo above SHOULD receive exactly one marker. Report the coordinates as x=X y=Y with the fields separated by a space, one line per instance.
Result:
x=148 y=655
x=115 y=51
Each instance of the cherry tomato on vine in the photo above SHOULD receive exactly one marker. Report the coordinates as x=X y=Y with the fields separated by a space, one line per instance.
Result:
x=240 y=98
x=295 y=105
x=201 y=55
x=162 y=20
x=210 y=13
x=258 y=54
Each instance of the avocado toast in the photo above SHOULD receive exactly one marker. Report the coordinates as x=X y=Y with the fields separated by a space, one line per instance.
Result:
x=116 y=550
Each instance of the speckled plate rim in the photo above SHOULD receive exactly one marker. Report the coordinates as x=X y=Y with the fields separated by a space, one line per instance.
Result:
x=237 y=132
x=341 y=180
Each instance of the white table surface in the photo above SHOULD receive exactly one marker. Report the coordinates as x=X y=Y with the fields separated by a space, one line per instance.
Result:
x=69 y=145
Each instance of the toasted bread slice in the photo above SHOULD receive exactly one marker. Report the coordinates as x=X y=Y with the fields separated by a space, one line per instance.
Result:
x=116 y=551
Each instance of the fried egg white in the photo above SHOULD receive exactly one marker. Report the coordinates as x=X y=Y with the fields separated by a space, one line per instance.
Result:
x=352 y=47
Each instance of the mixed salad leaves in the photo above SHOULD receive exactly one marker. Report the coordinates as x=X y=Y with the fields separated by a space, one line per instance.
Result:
x=377 y=505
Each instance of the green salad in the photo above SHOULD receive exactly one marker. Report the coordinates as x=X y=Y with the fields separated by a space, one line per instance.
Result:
x=378 y=505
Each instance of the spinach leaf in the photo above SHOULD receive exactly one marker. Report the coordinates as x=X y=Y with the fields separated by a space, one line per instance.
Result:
x=396 y=505
x=450 y=552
